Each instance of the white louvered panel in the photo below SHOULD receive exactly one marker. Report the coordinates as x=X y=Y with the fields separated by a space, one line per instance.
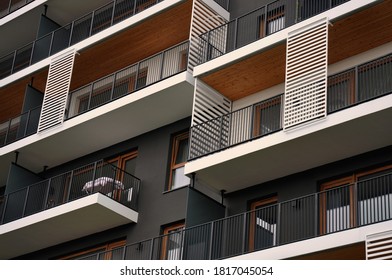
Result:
x=203 y=19
x=306 y=74
x=379 y=246
x=208 y=104
x=56 y=91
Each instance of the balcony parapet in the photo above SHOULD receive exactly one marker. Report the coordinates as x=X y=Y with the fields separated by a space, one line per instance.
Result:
x=365 y=202
x=258 y=24
x=99 y=176
x=70 y=34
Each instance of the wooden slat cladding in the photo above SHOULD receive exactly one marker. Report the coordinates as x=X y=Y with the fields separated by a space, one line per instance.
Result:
x=250 y=75
x=136 y=43
x=360 y=32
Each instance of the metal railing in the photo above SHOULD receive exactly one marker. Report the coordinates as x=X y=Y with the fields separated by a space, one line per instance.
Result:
x=68 y=35
x=7 y=7
x=239 y=126
x=362 y=83
x=365 y=202
x=128 y=80
x=19 y=127
x=258 y=24
x=96 y=177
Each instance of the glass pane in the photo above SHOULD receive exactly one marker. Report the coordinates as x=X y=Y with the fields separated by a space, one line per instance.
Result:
x=130 y=165
x=179 y=179
x=182 y=152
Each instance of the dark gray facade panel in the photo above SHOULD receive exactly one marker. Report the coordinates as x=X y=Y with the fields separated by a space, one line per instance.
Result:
x=240 y=7
x=307 y=182
x=202 y=209
x=19 y=178
x=157 y=207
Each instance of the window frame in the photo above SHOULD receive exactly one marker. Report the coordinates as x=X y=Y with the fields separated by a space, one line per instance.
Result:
x=174 y=153
x=166 y=232
x=105 y=247
x=263 y=202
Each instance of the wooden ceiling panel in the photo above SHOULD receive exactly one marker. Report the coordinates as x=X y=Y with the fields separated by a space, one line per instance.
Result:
x=250 y=75
x=132 y=45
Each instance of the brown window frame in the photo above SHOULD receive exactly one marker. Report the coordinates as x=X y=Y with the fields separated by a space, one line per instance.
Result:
x=167 y=230
x=271 y=16
x=350 y=180
x=264 y=202
x=175 y=146
x=257 y=113
x=102 y=249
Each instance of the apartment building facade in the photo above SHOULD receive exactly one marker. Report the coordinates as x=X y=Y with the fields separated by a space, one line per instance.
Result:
x=196 y=129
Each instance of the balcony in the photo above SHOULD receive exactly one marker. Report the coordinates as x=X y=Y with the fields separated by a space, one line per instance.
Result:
x=80 y=202
x=11 y=6
x=128 y=80
x=72 y=33
x=351 y=87
x=258 y=24
x=364 y=204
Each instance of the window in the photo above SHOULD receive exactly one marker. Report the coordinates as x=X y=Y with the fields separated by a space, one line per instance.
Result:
x=262 y=230
x=341 y=90
x=109 y=251
x=275 y=22
x=172 y=242
x=356 y=200
x=179 y=156
x=267 y=116
x=183 y=60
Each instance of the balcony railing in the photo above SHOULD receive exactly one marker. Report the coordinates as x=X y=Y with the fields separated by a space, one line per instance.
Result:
x=128 y=80
x=258 y=24
x=96 y=177
x=359 y=84
x=365 y=202
x=68 y=35
x=7 y=7
x=242 y=125
x=22 y=126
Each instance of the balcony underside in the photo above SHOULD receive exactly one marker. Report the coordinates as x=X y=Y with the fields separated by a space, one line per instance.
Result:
x=348 y=36
x=82 y=217
x=343 y=134
x=152 y=107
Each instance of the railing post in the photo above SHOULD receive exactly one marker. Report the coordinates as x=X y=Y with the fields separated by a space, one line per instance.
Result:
x=25 y=201
x=211 y=240
x=94 y=173
x=316 y=214
x=278 y=221
x=91 y=24
x=51 y=43
x=4 y=210
x=136 y=75
x=244 y=227
x=32 y=53
x=7 y=133
x=27 y=123
x=235 y=33
x=134 y=7
x=71 y=33
x=151 y=249
x=90 y=95
x=265 y=20
x=356 y=216
x=162 y=64
x=251 y=133
x=13 y=62
x=113 y=85
x=114 y=9
x=220 y=132
x=206 y=55
x=45 y=206
x=356 y=90
x=69 y=186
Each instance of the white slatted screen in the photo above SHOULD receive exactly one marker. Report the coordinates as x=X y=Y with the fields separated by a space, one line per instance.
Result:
x=208 y=104
x=306 y=74
x=379 y=246
x=203 y=19
x=56 y=91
